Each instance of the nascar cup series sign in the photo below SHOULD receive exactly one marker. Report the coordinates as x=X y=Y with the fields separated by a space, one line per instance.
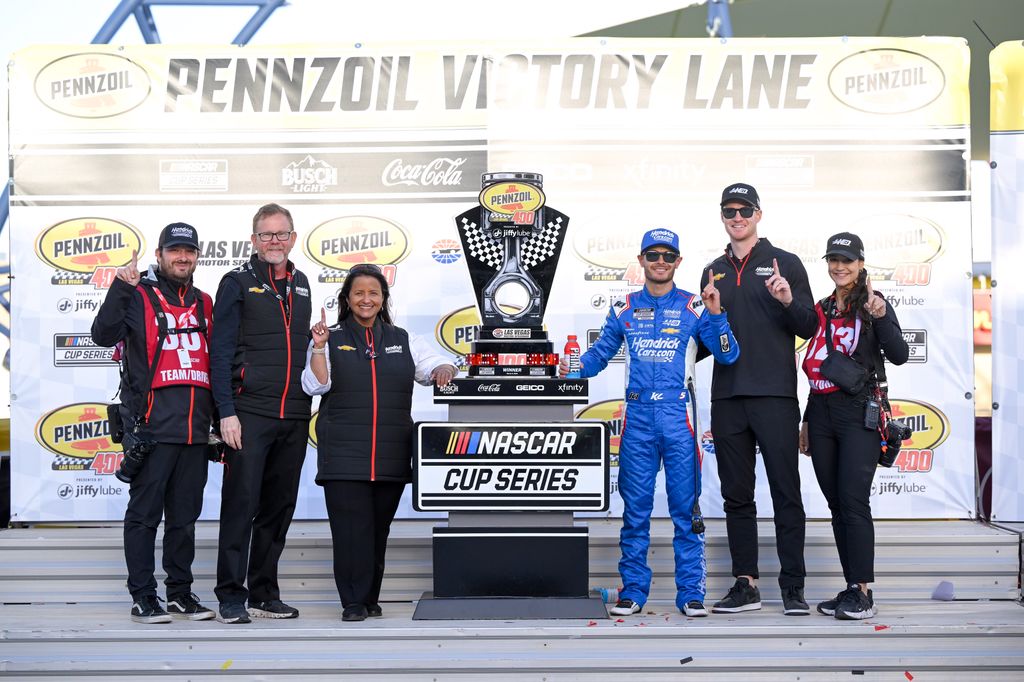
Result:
x=503 y=467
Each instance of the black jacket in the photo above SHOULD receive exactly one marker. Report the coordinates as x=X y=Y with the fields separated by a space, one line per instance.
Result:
x=364 y=428
x=179 y=414
x=882 y=335
x=765 y=329
x=256 y=359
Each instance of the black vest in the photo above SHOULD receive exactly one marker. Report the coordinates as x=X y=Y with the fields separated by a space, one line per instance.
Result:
x=270 y=356
x=364 y=432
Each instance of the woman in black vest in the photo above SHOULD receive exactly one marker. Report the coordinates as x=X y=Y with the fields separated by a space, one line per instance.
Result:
x=843 y=450
x=364 y=368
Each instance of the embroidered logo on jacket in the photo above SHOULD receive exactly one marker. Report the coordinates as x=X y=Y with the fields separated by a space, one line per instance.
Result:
x=393 y=349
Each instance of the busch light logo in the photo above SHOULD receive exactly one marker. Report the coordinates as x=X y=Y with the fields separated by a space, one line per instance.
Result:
x=439 y=172
x=309 y=176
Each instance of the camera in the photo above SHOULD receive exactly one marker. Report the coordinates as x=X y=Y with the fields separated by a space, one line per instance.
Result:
x=895 y=433
x=116 y=422
x=215 y=449
x=697 y=524
x=135 y=454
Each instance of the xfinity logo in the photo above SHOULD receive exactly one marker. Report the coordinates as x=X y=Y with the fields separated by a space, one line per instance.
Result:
x=529 y=387
x=440 y=172
x=488 y=388
x=309 y=176
x=575 y=388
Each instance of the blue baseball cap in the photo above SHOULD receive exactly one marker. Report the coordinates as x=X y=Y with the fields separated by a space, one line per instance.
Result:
x=659 y=236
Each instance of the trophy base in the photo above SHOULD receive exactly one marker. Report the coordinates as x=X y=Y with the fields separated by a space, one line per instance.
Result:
x=491 y=371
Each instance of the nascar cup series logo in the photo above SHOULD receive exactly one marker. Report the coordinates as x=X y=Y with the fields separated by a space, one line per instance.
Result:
x=340 y=243
x=92 y=85
x=886 y=81
x=87 y=250
x=900 y=248
x=79 y=437
x=610 y=412
x=931 y=429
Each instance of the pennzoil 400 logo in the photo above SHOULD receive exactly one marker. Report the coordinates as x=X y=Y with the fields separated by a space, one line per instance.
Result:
x=87 y=250
x=611 y=413
x=79 y=437
x=610 y=255
x=341 y=243
x=900 y=248
x=931 y=429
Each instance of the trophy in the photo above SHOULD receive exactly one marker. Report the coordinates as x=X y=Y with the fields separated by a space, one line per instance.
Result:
x=512 y=241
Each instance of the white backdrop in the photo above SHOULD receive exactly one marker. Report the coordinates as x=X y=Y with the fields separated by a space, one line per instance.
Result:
x=388 y=141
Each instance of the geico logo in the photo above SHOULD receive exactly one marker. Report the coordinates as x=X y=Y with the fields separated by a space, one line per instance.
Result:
x=510 y=442
x=512 y=479
x=529 y=387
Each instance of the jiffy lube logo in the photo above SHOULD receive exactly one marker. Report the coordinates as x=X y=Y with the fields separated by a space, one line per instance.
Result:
x=87 y=250
x=886 y=81
x=900 y=248
x=92 y=85
x=341 y=243
x=79 y=437
x=610 y=412
x=931 y=429
x=515 y=201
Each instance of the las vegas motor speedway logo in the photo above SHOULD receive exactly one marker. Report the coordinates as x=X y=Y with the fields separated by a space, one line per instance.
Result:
x=341 y=243
x=88 y=250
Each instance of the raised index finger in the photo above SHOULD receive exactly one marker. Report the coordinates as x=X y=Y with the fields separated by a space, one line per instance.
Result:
x=135 y=259
x=711 y=277
x=775 y=265
x=323 y=316
x=867 y=282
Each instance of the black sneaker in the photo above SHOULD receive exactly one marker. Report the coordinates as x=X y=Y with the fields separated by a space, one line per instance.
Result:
x=694 y=609
x=793 y=602
x=855 y=605
x=625 y=607
x=374 y=611
x=828 y=607
x=186 y=606
x=354 y=613
x=274 y=608
x=742 y=596
x=233 y=614
x=147 y=610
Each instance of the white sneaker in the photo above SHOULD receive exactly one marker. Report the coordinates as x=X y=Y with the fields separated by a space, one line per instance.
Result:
x=694 y=609
x=625 y=607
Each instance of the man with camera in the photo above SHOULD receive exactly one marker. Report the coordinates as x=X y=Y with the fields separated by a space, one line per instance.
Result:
x=159 y=323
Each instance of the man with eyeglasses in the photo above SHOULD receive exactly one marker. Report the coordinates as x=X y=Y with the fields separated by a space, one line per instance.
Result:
x=258 y=350
x=661 y=325
x=753 y=401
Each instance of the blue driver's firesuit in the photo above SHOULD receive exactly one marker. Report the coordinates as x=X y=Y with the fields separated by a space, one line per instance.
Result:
x=660 y=424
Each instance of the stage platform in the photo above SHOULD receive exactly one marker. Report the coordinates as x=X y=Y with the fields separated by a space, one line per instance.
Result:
x=64 y=612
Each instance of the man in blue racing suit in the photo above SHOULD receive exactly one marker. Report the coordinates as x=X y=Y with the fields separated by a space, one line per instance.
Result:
x=661 y=325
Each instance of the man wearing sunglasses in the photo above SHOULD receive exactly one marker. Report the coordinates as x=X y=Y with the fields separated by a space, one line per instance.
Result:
x=258 y=351
x=660 y=325
x=753 y=401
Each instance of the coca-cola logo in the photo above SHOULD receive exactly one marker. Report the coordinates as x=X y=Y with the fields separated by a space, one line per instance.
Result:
x=440 y=172
x=488 y=388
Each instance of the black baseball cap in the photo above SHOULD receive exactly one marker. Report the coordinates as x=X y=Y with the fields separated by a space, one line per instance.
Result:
x=845 y=244
x=740 y=191
x=179 y=234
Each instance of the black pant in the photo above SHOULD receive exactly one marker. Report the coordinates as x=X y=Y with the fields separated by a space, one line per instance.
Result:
x=261 y=483
x=845 y=456
x=170 y=483
x=360 y=513
x=738 y=424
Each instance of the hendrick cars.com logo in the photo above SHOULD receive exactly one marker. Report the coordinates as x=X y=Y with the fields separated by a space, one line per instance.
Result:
x=92 y=85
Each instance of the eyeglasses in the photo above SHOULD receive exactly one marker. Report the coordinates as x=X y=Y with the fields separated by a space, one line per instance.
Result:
x=746 y=212
x=654 y=256
x=270 y=236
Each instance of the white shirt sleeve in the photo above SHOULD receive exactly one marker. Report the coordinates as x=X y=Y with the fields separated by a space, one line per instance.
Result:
x=310 y=384
x=426 y=359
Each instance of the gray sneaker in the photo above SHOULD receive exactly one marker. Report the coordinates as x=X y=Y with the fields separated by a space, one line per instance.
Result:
x=793 y=602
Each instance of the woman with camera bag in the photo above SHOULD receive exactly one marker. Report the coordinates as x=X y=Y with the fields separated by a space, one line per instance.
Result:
x=840 y=431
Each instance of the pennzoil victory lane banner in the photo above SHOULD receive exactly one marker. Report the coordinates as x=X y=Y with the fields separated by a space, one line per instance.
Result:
x=375 y=149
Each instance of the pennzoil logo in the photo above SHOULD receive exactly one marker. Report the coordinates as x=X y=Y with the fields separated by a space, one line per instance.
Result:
x=610 y=254
x=79 y=437
x=514 y=201
x=900 y=248
x=87 y=250
x=610 y=412
x=931 y=429
x=886 y=81
x=341 y=243
x=92 y=85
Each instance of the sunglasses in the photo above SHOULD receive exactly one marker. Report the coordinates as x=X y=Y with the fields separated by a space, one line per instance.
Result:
x=654 y=256
x=746 y=212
